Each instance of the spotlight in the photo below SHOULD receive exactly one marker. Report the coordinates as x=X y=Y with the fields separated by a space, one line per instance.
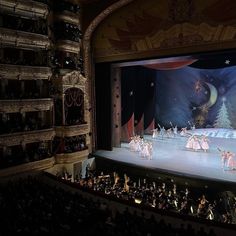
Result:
x=138 y=201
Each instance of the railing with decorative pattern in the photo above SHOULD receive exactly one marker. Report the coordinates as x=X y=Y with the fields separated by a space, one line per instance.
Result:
x=24 y=72
x=73 y=130
x=22 y=39
x=71 y=157
x=69 y=17
x=68 y=46
x=20 y=138
x=27 y=8
x=26 y=105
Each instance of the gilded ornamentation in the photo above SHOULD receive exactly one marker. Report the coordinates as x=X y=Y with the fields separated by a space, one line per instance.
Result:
x=74 y=130
x=71 y=157
x=68 y=46
x=26 y=137
x=24 y=72
x=69 y=17
x=87 y=55
x=25 y=105
x=25 y=8
x=23 y=39
x=75 y=78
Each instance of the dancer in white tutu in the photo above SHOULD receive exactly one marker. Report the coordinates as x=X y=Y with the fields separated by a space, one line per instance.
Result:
x=196 y=143
x=189 y=143
x=231 y=162
x=183 y=131
x=132 y=144
x=175 y=130
x=145 y=152
x=141 y=146
x=204 y=143
x=154 y=133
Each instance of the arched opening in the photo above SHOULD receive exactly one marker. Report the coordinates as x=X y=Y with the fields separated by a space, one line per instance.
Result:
x=74 y=106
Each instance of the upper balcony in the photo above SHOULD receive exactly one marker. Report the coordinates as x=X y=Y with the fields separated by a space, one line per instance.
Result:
x=24 y=40
x=24 y=72
x=26 y=8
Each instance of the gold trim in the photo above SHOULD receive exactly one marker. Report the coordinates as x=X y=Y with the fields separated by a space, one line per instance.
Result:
x=68 y=17
x=24 y=72
x=74 y=130
x=88 y=61
x=22 y=39
x=26 y=8
x=71 y=157
x=26 y=105
x=26 y=167
x=20 y=138
x=68 y=46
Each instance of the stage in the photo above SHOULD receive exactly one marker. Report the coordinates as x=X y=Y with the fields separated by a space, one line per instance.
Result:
x=171 y=156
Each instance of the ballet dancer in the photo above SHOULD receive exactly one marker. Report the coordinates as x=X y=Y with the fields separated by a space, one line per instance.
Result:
x=204 y=143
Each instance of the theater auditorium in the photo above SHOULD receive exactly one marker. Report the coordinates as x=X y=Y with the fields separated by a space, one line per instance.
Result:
x=118 y=117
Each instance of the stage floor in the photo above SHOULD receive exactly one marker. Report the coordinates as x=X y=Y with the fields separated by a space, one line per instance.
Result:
x=170 y=155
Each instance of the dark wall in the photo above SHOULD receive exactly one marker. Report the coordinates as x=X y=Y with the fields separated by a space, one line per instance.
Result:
x=103 y=106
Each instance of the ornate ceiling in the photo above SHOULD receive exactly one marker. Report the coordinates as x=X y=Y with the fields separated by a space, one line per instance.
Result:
x=154 y=28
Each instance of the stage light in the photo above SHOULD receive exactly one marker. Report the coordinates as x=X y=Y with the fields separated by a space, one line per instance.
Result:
x=138 y=201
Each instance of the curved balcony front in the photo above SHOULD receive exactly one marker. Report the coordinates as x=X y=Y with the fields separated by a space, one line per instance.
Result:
x=26 y=167
x=20 y=138
x=73 y=130
x=22 y=39
x=68 y=46
x=64 y=158
x=24 y=72
x=26 y=105
x=31 y=9
x=69 y=17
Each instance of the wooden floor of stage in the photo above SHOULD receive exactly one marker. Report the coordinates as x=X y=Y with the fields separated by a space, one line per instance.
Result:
x=170 y=155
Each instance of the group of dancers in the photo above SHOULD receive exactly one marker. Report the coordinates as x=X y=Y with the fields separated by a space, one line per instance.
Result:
x=197 y=143
x=194 y=142
x=162 y=132
x=143 y=147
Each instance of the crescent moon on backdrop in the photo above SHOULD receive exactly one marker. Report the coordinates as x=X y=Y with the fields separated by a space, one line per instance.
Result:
x=212 y=98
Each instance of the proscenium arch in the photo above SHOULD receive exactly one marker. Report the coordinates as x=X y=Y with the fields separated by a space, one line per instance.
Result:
x=88 y=60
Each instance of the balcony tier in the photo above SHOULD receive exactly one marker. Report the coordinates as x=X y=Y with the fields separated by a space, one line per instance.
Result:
x=28 y=167
x=27 y=8
x=68 y=46
x=26 y=105
x=73 y=130
x=71 y=157
x=20 y=138
x=69 y=17
x=22 y=39
x=24 y=72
